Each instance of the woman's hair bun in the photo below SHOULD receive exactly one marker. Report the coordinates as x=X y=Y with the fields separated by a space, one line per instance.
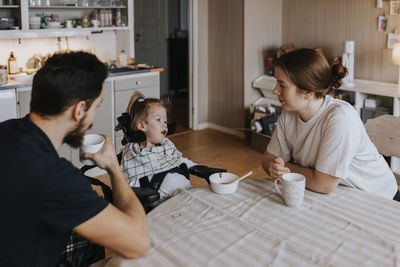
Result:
x=338 y=72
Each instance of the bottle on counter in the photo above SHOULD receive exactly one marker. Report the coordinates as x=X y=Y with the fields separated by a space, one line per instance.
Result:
x=123 y=58
x=12 y=64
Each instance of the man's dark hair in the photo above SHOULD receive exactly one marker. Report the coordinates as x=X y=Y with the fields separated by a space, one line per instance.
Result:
x=65 y=79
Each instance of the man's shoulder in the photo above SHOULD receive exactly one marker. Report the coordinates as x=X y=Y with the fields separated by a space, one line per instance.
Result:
x=11 y=125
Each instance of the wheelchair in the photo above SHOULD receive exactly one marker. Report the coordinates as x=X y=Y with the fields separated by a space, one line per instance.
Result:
x=148 y=193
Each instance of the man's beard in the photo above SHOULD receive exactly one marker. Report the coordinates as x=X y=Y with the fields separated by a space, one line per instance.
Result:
x=75 y=137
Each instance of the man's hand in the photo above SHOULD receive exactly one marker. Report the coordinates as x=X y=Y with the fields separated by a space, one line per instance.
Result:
x=277 y=168
x=105 y=158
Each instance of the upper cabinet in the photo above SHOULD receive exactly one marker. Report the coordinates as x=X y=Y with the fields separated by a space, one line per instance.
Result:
x=57 y=18
x=10 y=17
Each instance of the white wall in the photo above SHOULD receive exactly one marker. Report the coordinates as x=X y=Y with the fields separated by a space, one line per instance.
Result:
x=262 y=31
x=203 y=62
x=103 y=45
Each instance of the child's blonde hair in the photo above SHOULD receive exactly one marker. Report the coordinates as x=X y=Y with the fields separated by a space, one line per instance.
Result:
x=138 y=107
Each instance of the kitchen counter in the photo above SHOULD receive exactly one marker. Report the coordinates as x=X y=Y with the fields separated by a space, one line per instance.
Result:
x=11 y=83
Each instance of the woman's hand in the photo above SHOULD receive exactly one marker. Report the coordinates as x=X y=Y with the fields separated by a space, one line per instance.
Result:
x=277 y=168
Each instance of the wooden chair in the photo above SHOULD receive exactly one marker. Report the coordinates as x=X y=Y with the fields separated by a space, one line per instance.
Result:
x=384 y=132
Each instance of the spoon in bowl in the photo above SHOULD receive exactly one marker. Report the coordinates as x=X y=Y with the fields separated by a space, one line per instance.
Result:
x=240 y=178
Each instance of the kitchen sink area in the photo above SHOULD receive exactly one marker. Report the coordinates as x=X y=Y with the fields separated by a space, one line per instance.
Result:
x=127 y=70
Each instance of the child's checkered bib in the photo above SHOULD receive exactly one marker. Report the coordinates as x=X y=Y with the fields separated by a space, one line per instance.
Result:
x=137 y=163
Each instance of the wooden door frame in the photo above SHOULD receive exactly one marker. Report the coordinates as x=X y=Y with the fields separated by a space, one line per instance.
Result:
x=193 y=64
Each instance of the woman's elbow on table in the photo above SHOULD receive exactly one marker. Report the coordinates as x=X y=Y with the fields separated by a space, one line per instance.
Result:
x=323 y=183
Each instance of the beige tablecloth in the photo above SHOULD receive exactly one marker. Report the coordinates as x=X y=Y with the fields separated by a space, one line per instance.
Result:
x=253 y=227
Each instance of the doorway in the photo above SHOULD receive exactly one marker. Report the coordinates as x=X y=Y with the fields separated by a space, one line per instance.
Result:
x=162 y=39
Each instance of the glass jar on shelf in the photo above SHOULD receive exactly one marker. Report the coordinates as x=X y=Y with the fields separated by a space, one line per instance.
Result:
x=110 y=18
x=118 y=18
x=85 y=21
x=93 y=2
x=95 y=15
x=102 y=17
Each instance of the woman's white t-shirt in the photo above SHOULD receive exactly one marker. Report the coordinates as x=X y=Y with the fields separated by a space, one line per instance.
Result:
x=334 y=142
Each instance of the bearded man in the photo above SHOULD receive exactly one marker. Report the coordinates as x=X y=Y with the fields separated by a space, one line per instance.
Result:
x=44 y=197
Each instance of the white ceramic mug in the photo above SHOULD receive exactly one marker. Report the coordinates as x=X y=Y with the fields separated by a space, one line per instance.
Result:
x=92 y=143
x=292 y=188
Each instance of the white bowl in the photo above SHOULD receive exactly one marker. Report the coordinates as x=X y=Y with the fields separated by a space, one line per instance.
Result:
x=34 y=26
x=53 y=25
x=218 y=180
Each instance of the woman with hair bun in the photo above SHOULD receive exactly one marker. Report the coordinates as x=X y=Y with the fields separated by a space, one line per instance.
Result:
x=321 y=137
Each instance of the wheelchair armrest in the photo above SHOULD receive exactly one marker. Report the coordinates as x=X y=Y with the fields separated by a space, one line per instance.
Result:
x=147 y=196
x=85 y=168
x=107 y=192
x=204 y=171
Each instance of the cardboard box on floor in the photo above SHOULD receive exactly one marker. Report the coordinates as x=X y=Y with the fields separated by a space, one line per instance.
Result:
x=259 y=141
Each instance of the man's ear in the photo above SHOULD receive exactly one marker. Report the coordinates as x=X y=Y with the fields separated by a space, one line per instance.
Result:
x=78 y=111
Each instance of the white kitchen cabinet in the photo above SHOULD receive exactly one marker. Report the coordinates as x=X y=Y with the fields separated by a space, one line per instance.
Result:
x=23 y=101
x=8 y=106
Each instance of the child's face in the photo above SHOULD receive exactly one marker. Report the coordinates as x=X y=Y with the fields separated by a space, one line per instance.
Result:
x=155 y=125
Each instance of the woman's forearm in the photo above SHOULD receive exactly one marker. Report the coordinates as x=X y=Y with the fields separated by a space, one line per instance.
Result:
x=315 y=180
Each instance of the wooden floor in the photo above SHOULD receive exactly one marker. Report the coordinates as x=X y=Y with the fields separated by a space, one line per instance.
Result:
x=217 y=149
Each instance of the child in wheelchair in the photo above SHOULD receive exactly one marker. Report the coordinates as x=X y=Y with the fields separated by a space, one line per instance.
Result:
x=149 y=158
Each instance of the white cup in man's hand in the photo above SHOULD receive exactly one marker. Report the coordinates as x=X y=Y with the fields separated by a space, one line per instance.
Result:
x=292 y=188
x=92 y=143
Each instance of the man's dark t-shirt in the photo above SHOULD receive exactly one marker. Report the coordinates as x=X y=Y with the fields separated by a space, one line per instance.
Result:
x=42 y=197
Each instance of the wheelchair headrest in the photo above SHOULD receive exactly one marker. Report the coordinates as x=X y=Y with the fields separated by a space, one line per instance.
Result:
x=130 y=136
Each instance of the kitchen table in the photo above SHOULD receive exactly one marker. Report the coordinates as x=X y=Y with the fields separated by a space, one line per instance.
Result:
x=253 y=227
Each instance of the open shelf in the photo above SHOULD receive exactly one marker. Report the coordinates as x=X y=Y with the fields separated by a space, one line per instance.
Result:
x=76 y=7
